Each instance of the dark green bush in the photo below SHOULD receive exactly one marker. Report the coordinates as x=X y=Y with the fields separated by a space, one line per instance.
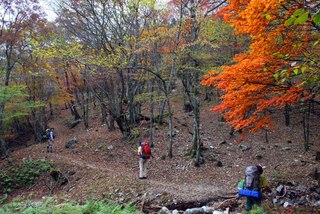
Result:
x=23 y=175
x=50 y=206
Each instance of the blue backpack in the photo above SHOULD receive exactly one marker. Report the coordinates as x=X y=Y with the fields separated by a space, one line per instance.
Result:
x=251 y=183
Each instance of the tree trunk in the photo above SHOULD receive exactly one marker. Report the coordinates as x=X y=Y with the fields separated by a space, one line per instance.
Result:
x=287 y=114
x=37 y=129
x=306 y=125
x=111 y=122
x=196 y=131
x=51 y=110
x=103 y=113
x=170 y=129
x=3 y=145
x=151 y=110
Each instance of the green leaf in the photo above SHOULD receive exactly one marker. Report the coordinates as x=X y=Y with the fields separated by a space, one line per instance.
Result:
x=296 y=71
x=289 y=21
x=298 y=12
x=267 y=16
x=316 y=19
x=302 y=18
x=303 y=69
x=316 y=43
x=276 y=76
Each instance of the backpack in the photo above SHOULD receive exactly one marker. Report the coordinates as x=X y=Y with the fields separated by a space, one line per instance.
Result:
x=252 y=179
x=146 y=151
x=48 y=133
x=250 y=186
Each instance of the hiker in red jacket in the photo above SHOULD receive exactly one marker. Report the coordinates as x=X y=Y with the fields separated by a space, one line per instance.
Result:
x=144 y=153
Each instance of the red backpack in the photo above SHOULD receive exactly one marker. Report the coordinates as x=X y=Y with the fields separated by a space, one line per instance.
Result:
x=146 y=151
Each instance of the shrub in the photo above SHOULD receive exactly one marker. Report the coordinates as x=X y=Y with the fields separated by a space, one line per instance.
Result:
x=23 y=175
x=50 y=206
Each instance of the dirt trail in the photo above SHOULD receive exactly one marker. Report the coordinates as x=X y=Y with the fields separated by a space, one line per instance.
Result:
x=186 y=191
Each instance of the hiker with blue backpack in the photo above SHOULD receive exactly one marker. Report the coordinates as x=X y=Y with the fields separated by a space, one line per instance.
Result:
x=144 y=153
x=50 y=136
x=252 y=186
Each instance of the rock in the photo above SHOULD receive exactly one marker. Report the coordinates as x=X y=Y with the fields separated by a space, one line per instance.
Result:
x=280 y=190
x=164 y=210
x=290 y=184
x=286 y=149
x=74 y=123
x=194 y=211
x=207 y=209
x=174 y=133
x=274 y=201
x=71 y=144
x=217 y=212
x=302 y=201
x=72 y=172
x=317 y=204
x=259 y=157
x=175 y=212
x=219 y=164
x=287 y=204
x=244 y=147
x=223 y=142
x=110 y=147
x=263 y=148
x=212 y=158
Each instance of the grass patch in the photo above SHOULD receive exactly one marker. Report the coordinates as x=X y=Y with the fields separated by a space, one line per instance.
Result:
x=23 y=175
x=50 y=206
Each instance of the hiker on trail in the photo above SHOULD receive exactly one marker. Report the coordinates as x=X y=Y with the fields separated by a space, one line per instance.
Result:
x=50 y=136
x=144 y=153
x=252 y=186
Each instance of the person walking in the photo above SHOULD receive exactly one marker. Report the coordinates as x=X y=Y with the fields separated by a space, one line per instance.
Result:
x=252 y=186
x=144 y=153
x=50 y=135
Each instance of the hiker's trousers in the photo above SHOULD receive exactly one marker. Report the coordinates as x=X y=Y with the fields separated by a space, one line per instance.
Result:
x=49 y=147
x=143 y=168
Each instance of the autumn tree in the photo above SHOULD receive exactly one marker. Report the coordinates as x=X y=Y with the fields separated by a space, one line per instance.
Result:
x=281 y=67
x=16 y=18
x=110 y=29
x=193 y=48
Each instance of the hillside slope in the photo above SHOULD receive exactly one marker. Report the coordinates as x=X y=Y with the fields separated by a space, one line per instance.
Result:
x=102 y=166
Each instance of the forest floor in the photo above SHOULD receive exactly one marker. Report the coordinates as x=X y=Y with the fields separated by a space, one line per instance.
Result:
x=103 y=166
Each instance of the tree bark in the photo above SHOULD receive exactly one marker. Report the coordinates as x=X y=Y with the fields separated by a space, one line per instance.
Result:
x=306 y=125
x=287 y=114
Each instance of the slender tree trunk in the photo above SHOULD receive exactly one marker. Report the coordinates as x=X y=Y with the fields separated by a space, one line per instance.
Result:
x=111 y=122
x=37 y=129
x=50 y=110
x=196 y=121
x=287 y=114
x=150 y=83
x=9 y=66
x=306 y=125
x=3 y=145
x=170 y=129
x=103 y=113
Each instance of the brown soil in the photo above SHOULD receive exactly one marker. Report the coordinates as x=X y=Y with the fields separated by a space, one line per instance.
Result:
x=102 y=172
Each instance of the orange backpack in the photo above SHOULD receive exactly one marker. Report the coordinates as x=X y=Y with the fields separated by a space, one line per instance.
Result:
x=146 y=151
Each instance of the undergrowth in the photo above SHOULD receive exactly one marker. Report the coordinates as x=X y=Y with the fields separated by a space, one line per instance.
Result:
x=23 y=175
x=50 y=206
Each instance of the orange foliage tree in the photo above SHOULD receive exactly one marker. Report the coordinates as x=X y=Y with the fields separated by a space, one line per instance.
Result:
x=280 y=68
